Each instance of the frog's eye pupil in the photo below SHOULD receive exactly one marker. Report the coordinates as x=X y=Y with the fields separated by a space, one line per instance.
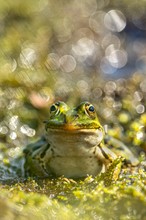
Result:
x=91 y=108
x=53 y=108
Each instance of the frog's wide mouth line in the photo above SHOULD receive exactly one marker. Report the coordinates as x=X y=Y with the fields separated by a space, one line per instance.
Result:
x=75 y=130
x=71 y=130
x=77 y=127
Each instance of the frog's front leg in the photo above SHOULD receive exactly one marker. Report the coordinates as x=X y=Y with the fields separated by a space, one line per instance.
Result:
x=36 y=156
x=105 y=155
x=111 y=163
x=120 y=149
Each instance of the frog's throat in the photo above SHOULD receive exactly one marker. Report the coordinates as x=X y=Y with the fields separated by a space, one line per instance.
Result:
x=89 y=136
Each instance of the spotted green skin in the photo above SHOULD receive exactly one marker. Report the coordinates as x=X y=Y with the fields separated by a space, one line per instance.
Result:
x=74 y=145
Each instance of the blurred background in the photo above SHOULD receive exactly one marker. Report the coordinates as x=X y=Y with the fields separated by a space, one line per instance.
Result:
x=72 y=51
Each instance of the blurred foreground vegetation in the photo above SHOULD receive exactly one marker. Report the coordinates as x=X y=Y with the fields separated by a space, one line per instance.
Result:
x=73 y=51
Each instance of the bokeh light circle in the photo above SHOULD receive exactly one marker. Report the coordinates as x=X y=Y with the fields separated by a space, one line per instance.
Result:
x=115 y=20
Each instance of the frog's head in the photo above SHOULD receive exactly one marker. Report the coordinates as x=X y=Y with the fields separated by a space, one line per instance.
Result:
x=81 y=117
x=74 y=130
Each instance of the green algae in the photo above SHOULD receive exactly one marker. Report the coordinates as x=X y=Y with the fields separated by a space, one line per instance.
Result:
x=88 y=198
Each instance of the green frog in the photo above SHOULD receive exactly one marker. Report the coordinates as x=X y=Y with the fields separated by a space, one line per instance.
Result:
x=75 y=145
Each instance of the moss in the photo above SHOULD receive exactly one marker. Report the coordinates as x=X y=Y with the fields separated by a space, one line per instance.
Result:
x=63 y=198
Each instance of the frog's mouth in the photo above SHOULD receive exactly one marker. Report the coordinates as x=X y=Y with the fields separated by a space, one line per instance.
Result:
x=72 y=125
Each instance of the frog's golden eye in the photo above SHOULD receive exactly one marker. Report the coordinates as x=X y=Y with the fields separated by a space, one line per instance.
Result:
x=90 y=110
x=54 y=110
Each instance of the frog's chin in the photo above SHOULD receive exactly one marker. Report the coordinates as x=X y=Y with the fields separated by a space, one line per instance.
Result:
x=75 y=139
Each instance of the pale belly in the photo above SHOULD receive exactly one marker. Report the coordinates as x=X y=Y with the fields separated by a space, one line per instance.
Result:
x=75 y=166
x=74 y=153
